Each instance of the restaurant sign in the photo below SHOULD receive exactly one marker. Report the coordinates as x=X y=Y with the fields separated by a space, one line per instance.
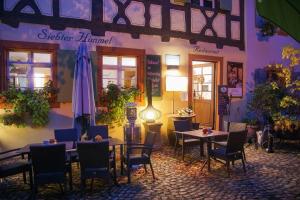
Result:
x=46 y=34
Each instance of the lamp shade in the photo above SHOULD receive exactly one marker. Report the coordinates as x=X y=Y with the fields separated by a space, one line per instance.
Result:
x=149 y=114
x=176 y=83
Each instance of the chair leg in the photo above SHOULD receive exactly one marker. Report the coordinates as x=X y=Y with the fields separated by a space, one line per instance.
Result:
x=182 y=151
x=30 y=179
x=228 y=167
x=70 y=179
x=83 y=183
x=175 y=146
x=244 y=166
x=128 y=174
x=92 y=183
x=244 y=155
x=61 y=188
x=145 y=167
x=152 y=171
x=24 y=177
x=208 y=163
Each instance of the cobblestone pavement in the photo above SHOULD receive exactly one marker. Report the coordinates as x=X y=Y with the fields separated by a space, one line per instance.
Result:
x=269 y=176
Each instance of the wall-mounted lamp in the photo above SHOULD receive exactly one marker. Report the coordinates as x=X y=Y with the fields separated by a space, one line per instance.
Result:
x=150 y=114
x=176 y=84
x=172 y=62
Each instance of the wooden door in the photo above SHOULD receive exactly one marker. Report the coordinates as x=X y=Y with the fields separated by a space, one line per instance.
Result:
x=203 y=92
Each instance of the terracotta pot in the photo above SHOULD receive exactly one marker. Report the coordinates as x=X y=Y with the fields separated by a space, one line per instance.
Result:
x=251 y=129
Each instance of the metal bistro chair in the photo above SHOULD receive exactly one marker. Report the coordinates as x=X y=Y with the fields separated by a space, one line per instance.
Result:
x=232 y=151
x=94 y=161
x=68 y=135
x=50 y=165
x=231 y=127
x=101 y=130
x=184 y=141
x=16 y=167
x=137 y=154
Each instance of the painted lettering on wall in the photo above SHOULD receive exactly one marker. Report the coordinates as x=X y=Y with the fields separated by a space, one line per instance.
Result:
x=204 y=50
x=46 y=34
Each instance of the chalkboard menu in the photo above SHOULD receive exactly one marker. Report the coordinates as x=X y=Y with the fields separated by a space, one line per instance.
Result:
x=153 y=72
x=223 y=99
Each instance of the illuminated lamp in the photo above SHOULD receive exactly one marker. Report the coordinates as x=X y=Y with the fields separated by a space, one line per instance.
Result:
x=149 y=114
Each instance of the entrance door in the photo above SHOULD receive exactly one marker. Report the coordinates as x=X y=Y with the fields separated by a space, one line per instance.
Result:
x=203 y=88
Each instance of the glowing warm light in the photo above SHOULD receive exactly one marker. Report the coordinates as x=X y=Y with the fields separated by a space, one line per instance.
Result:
x=39 y=80
x=173 y=60
x=176 y=83
x=150 y=114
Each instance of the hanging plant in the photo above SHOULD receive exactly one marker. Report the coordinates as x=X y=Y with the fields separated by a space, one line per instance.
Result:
x=27 y=107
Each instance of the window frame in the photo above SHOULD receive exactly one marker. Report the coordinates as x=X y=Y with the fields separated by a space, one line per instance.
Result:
x=119 y=68
x=6 y=46
x=124 y=52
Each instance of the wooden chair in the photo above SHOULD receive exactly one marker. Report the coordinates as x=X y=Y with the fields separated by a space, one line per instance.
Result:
x=232 y=151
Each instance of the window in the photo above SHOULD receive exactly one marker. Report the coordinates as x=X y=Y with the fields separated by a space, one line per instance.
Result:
x=119 y=70
x=28 y=69
x=202 y=82
x=28 y=65
x=121 y=66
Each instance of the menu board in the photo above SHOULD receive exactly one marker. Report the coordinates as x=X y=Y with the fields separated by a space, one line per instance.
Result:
x=223 y=99
x=153 y=72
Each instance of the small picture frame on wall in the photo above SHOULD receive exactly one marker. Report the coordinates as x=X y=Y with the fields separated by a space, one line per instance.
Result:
x=235 y=79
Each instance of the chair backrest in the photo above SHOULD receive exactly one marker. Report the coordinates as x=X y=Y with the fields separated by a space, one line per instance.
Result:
x=93 y=155
x=183 y=125
x=237 y=126
x=236 y=141
x=66 y=135
x=49 y=158
x=149 y=142
x=101 y=130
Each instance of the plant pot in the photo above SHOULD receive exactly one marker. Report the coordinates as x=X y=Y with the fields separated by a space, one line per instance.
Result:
x=251 y=130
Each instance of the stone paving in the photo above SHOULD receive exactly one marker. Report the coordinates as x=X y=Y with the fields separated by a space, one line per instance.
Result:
x=269 y=176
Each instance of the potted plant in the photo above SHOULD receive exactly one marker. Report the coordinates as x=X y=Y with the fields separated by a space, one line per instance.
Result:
x=277 y=102
x=114 y=100
x=27 y=107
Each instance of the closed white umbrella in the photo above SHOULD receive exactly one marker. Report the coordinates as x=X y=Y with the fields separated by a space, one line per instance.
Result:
x=83 y=102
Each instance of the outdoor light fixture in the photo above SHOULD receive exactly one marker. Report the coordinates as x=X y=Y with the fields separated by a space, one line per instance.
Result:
x=172 y=62
x=176 y=84
x=150 y=114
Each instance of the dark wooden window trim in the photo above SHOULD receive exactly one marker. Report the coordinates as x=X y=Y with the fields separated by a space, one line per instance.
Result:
x=118 y=51
x=6 y=46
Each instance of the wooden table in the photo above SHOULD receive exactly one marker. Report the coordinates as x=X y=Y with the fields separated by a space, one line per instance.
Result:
x=208 y=137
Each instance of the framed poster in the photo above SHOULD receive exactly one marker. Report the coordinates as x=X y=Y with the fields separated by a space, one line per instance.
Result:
x=153 y=72
x=235 y=79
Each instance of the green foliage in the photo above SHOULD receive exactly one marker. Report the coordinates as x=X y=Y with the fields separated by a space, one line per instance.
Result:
x=279 y=98
x=27 y=106
x=113 y=101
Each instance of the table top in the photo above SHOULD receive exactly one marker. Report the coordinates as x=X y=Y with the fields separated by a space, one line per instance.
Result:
x=199 y=133
x=70 y=145
x=176 y=116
